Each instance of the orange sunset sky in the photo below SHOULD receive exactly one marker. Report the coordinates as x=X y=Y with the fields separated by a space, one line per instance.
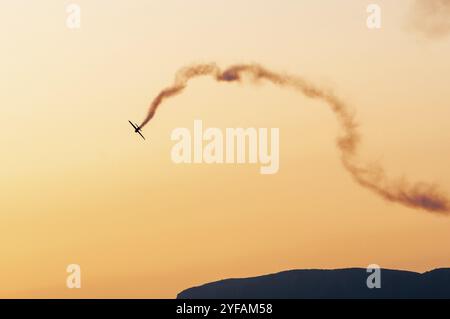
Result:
x=78 y=186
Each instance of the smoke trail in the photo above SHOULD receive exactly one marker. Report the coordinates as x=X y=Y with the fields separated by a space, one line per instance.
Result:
x=418 y=195
x=431 y=17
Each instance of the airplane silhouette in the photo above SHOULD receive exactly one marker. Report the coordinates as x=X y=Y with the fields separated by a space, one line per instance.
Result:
x=137 y=129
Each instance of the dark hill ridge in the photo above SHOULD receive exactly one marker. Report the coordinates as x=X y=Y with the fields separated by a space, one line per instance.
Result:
x=338 y=283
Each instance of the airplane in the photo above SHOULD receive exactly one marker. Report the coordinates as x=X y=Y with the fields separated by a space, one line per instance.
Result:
x=137 y=129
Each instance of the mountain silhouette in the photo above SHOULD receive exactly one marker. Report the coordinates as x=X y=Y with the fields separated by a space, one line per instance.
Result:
x=347 y=283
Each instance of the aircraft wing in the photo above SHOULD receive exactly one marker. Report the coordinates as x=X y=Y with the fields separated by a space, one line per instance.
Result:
x=141 y=135
x=133 y=125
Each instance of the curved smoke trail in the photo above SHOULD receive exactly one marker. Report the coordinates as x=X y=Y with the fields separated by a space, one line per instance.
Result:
x=418 y=195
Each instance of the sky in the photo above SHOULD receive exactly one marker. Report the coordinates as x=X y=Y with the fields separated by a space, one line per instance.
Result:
x=79 y=187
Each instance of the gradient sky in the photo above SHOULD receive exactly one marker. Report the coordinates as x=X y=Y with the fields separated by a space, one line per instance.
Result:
x=77 y=186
